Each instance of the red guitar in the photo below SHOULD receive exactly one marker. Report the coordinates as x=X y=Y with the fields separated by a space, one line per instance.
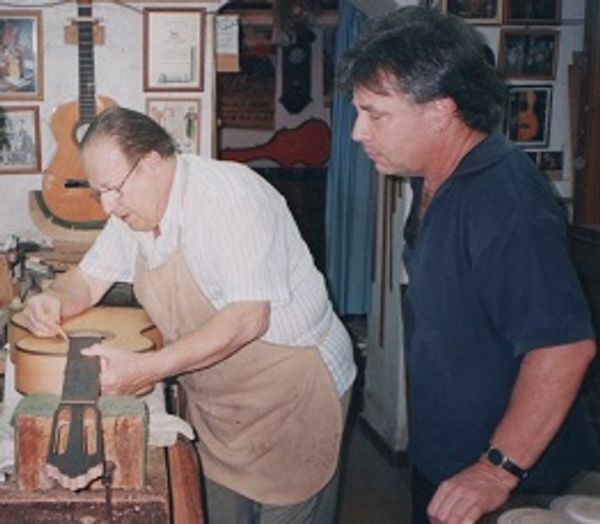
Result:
x=74 y=206
x=306 y=145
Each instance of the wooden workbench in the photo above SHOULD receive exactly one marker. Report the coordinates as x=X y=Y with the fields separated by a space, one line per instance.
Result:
x=172 y=496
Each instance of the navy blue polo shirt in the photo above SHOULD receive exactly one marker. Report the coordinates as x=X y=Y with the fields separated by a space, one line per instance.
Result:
x=490 y=278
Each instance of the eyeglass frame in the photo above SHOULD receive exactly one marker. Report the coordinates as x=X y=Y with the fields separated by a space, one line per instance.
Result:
x=118 y=189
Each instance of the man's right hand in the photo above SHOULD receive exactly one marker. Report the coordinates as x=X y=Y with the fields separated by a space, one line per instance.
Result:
x=42 y=315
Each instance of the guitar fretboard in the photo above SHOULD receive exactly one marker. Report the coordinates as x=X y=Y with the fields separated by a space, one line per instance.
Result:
x=87 y=86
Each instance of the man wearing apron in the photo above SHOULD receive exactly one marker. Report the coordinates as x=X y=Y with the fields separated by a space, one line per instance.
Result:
x=219 y=265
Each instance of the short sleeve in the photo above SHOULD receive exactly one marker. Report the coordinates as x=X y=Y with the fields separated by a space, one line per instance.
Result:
x=528 y=284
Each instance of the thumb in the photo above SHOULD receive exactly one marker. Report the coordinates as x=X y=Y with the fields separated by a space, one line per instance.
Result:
x=94 y=351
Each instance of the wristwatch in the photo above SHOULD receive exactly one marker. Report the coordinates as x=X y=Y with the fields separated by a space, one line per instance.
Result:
x=497 y=458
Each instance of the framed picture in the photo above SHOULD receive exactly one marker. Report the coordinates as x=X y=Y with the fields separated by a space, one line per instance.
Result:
x=475 y=11
x=551 y=163
x=528 y=114
x=21 y=60
x=19 y=140
x=526 y=53
x=181 y=118
x=532 y=12
x=174 y=49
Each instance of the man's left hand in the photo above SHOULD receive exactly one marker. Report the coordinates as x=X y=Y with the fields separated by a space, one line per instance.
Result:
x=465 y=497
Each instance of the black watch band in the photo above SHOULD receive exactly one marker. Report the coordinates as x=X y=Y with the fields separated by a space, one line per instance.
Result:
x=497 y=458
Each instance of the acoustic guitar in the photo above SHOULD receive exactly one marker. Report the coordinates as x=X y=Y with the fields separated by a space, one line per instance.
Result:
x=40 y=362
x=74 y=206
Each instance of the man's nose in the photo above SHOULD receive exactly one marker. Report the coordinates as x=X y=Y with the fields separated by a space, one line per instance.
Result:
x=359 y=130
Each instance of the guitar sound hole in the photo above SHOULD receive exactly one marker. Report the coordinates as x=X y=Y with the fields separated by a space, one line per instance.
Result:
x=80 y=131
x=104 y=335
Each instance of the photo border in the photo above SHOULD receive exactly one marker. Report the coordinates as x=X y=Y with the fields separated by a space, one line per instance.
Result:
x=474 y=20
x=151 y=40
x=545 y=139
x=508 y=19
x=6 y=169
x=38 y=48
x=528 y=33
x=197 y=102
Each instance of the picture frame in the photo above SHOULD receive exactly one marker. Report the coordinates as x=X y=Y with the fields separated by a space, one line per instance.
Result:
x=181 y=118
x=528 y=53
x=21 y=55
x=551 y=163
x=528 y=115
x=532 y=12
x=20 y=151
x=474 y=11
x=173 y=49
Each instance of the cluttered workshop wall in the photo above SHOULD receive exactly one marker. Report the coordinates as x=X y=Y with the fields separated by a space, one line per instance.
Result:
x=40 y=73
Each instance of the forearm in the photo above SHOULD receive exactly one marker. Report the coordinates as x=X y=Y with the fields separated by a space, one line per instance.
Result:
x=221 y=336
x=77 y=291
x=547 y=385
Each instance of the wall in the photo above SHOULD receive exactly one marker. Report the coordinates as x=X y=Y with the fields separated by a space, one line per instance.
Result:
x=118 y=72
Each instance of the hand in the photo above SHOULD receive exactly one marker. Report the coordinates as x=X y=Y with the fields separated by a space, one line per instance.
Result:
x=42 y=315
x=121 y=371
x=465 y=497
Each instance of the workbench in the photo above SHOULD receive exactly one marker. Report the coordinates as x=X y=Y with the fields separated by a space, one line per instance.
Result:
x=172 y=496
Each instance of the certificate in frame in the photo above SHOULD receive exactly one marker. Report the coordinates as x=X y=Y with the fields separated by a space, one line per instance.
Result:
x=174 y=49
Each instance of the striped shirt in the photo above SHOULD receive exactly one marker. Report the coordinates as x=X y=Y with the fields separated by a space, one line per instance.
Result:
x=240 y=243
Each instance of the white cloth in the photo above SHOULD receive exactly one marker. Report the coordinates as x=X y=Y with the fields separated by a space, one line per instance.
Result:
x=7 y=434
x=241 y=243
x=164 y=428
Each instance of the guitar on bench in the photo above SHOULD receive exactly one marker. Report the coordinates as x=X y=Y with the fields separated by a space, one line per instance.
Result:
x=74 y=207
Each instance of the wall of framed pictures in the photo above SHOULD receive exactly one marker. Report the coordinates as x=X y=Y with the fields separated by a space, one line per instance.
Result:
x=135 y=65
x=534 y=42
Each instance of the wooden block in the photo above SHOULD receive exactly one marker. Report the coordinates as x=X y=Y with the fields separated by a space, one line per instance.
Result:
x=124 y=427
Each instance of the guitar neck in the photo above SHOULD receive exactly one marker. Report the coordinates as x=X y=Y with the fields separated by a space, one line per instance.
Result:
x=87 y=85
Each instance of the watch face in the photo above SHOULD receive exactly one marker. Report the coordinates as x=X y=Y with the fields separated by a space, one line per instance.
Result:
x=495 y=456
x=296 y=55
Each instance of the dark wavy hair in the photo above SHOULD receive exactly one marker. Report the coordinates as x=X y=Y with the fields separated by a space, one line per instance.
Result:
x=136 y=134
x=429 y=56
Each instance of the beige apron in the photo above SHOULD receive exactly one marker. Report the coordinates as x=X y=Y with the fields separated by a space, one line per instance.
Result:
x=268 y=417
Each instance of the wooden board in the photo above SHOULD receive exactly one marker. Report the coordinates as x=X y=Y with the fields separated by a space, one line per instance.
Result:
x=40 y=362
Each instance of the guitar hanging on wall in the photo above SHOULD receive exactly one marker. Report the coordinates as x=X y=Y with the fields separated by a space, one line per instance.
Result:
x=74 y=207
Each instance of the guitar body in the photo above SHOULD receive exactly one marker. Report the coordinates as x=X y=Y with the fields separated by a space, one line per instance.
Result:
x=73 y=205
x=306 y=145
x=40 y=362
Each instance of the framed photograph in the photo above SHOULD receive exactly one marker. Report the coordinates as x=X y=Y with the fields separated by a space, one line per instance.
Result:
x=21 y=60
x=532 y=12
x=174 y=49
x=551 y=163
x=527 y=53
x=475 y=11
x=20 y=140
x=528 y=114
x=181 y=118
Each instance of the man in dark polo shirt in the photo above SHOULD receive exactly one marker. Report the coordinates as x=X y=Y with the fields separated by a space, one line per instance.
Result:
x=498 y=333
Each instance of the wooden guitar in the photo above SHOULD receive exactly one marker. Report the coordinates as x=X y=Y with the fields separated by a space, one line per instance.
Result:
x=306 y=145
x=40 y=362
x=74 y=206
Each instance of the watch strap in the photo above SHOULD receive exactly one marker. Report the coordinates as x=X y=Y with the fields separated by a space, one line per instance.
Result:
x=498 y=458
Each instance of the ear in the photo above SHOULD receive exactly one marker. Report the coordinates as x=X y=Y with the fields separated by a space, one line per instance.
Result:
x=443 y=111
x=153 y=159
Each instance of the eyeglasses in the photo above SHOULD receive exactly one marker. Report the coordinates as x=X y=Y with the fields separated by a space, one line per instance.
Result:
x=115 y=192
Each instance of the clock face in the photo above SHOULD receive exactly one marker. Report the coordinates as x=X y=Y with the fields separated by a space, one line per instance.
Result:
x=296 y=55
